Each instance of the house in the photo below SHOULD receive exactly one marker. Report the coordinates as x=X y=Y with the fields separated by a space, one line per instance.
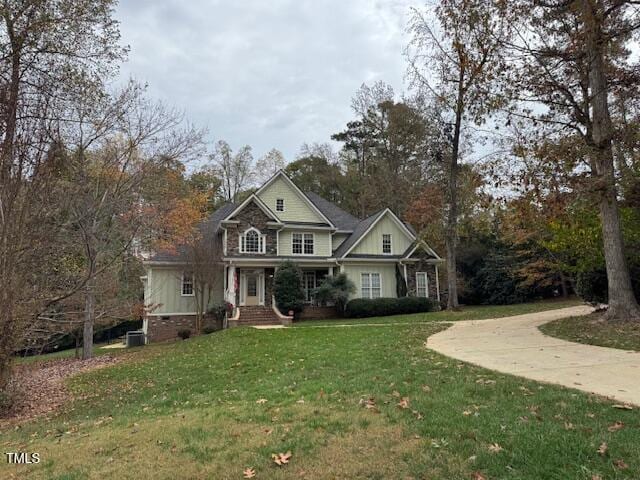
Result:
x=280 y=222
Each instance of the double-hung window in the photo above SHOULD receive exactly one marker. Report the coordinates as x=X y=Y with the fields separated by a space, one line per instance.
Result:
x=386 y=243
x=302 y=243
x=370 y=286
x=252 y=241
x=187 y=285
x=279 y=204
x=422 y=289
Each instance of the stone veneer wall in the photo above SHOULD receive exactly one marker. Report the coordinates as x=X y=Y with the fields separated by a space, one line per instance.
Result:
x=251 y=216
x=422 y=266
x=166 y=327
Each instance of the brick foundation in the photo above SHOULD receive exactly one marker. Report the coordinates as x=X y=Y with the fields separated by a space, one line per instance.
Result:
x=318 y=313
x=163 y=328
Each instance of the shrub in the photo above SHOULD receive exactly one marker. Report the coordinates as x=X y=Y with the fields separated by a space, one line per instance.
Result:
x=379 y=307
x=184 y=334
x=592 y=286
x=335 y=290
x=287 y=288
x=219 y=310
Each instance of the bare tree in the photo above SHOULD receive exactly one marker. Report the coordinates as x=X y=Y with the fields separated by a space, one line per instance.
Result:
x=205 y=261
x=456 y=60
x=268 y=165
x=49 y=50
x=236 y=170
x=118 y=141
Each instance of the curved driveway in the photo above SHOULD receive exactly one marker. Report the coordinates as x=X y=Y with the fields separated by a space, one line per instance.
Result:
x=515 y=345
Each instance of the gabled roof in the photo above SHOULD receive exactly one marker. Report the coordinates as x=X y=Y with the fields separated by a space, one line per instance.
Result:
x=342 y=220
x=358 y=232
x=285 y=177
x=425 y=246
x=365 y=226
x=252 y=198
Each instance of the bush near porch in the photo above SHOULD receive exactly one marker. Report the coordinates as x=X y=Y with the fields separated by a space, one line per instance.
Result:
x=380 y=307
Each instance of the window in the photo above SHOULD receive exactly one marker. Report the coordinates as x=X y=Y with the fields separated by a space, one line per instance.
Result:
x=279 y=204
x=370 y=286
x=302 y=243
x=422 y=289
x=187 y=285
x=252 y=242
x=386 y=243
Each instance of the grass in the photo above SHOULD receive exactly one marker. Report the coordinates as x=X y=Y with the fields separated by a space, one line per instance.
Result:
x=194 y=409
x=592 y=330
x=476 y=312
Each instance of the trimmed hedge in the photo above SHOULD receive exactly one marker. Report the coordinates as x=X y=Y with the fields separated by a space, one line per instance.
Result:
x=380 y=307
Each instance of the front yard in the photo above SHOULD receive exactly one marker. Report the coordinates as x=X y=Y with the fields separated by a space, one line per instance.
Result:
x=346 y=402
x=593 y=331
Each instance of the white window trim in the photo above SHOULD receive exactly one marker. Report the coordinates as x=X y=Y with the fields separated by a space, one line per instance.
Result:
x=369 y=274
x=313 y=236
x=284 y=208
x=261 y=239
x=390 y=244
x=193 y=287
x=426 y=284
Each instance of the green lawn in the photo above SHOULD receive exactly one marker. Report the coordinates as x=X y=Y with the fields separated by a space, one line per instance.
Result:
x=476 y=312
x=590 y=329
x=211 y=406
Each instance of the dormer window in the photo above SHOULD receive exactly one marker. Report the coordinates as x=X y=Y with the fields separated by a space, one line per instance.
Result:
x=386 y=243
x=279 y=204
x=252 y=241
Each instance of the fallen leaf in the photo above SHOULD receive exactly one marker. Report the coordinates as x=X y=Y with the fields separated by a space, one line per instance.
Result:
x=596 y=477
x=268 y=431
x=281 y=459
x=495 y=448
x=261 y=401
x=466 y=413
x=249 y=472
x=426 y=388
x=478 y=476
x=624 y=406
x=615 y=427
x=620 y=464
x=602 y=449
x=404 y=403
x=568 y=426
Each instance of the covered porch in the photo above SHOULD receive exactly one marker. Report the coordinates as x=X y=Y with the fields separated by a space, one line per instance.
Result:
x=249 y=285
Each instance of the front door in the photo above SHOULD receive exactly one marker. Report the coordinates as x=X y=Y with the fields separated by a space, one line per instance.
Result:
x=252 y=287
x=252 y=297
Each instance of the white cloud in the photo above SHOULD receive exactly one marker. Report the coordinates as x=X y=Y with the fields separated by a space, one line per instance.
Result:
x=268 y=74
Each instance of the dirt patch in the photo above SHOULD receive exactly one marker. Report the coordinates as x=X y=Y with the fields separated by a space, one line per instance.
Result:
x=38 y=389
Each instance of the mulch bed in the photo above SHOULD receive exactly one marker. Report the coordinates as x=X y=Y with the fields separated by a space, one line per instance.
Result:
x=38 y=389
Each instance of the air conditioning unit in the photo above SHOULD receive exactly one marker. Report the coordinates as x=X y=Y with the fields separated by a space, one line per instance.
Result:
x=134 y=338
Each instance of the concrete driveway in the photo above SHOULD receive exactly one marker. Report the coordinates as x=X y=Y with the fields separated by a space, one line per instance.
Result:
x=515 y=345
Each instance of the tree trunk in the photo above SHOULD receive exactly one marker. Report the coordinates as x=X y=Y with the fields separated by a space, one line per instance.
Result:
x=89 y=320
x=451 y=231
x=563 y=285
x=622 y=302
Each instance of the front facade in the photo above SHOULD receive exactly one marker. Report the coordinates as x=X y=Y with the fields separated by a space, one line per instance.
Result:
x=279 y=222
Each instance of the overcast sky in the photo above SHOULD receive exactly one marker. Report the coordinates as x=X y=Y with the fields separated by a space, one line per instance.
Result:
x=273 y=73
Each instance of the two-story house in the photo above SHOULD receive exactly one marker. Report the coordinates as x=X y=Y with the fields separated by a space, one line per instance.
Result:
x=280 y=222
